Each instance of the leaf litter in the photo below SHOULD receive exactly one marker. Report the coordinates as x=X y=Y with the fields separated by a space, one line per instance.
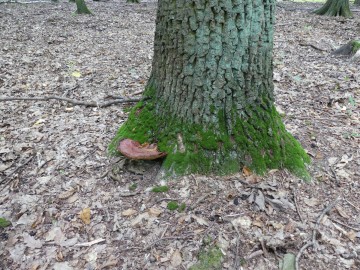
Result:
x=68 y=206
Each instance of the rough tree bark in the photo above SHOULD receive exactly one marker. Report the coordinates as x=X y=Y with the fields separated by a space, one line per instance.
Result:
x=210 y=93
x=81 y=7
x=335 y=8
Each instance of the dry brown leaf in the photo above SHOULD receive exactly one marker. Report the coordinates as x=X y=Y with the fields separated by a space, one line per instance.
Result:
x=67 y=194
x=351 y=235
x=176 y=258
x=246 y=171
x=155 y=212
x=311 y=202
x=128 y=212
x=341 y=212
x=85 y=215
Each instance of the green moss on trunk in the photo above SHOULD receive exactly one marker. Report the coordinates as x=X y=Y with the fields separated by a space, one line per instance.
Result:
x=258 y=141
x=335 y=8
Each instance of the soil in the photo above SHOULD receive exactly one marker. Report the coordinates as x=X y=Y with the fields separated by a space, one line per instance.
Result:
x=71 y=206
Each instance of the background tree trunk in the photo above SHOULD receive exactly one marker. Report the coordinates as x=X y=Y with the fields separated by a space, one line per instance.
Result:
x=335 y=8
x=357 y=2
x=210 y=92
x=81 y=7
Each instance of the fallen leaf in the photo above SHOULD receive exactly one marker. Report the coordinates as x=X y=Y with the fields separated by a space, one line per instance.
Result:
x=243 y=222
x=31 y=242
x=85 y=215
x=128 y=212
x=351 y=235
x=176 y=259
x=341 y=212
x=139 y=219
x=76 y=74
x=67 y=194
x=288 y=263
x=200 y=220
x=311 y=201
x=155 y=212
x=246 y=171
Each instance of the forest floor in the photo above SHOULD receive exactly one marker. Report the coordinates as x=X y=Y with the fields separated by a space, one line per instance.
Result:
x=73 y=207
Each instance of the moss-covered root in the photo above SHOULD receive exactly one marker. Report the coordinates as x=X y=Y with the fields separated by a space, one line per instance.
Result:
x=258 y=141
x=335 y=8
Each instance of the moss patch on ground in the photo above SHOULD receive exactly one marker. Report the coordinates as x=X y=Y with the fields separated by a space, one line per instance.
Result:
x=258 y=141
x=209 y=260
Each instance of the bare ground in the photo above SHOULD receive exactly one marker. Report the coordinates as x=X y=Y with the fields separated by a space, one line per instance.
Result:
x=53 y=161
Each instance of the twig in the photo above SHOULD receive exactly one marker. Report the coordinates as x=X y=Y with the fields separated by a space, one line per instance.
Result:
x=356 y=208
x=312 y=46
x=345 y=225
x=130 y=194
x=296 y=205
x=335 y=176
x=199 y=201
x=16 y=169
x=254 y=254
x=89 y=244
x=43 y=164
x=74 y=101
x=313 y=242
x=168 y=238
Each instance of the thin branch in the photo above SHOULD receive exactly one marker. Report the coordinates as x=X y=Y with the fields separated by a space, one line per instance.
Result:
x=312 y=46
x=345 y=225
x=5 y=180
x=313 y=241
x=296 y=205
x=74 y=101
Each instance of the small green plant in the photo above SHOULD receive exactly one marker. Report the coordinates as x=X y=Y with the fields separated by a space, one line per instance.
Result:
x=160 y=189
x=182 y=207
x=210 y=259
x=4 y=223
x=172 y=206
x=133 y=187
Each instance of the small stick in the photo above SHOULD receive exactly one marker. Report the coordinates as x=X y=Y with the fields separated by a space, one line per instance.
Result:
x=312 y=242
x=254 y=254
x=168 y=238
x=16 y=169
x=353 y=205
x=89 y=244
x=312 y=46
x=296 y=205
x=345 y=225
x=199 y=201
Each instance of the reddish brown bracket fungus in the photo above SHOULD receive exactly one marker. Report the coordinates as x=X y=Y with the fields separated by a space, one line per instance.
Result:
x=134 y=150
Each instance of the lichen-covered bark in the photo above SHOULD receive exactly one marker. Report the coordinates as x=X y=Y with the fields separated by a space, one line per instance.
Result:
x=212 y=56
x=335 y=8
x=211 y=92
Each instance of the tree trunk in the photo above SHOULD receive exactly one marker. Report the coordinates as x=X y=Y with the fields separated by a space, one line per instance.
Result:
x=81 y=7
x=132 y=1
x=210 y=93
x=335 y=8
x=357 y=2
